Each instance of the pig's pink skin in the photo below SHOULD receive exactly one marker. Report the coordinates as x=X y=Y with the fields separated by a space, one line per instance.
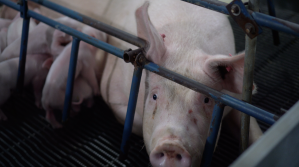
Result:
x=3 y=39
x=178 y=120
x=15 y=29
x=39 y=40
x=60 y=40
x=35 y=74
x=4 y=23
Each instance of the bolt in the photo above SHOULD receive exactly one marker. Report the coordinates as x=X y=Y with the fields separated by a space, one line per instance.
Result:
x=235 y=9
x=249 y=28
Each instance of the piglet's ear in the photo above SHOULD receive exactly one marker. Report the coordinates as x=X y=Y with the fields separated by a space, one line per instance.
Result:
x=47 y=63
x=146 y=30
x=226 y=70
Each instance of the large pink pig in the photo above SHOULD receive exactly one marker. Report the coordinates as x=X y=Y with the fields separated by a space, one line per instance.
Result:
x=192 y=41
x=55 y=86
x=36 y=70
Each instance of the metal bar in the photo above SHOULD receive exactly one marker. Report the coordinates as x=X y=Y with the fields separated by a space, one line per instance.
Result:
x=250 y=49
x=210 y=4
x=23 y=50
x=93 y=23
x=261 y=19
x=70 y=78
x=212 y=138
x=271 y=10
x=131 y=110
x=242 y=106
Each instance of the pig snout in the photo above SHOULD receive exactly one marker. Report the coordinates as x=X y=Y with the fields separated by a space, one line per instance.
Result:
x=170 y=154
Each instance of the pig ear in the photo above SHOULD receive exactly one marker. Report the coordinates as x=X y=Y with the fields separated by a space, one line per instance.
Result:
x=47 y=63
x=146 y=30
x=227 y=70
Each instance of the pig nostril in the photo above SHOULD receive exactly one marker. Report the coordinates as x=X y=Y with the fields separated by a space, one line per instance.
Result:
x=179 y=157
x=161 y=155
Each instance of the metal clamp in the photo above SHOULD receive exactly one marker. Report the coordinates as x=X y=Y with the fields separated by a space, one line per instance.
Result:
x=136 y=57
x=239 y=13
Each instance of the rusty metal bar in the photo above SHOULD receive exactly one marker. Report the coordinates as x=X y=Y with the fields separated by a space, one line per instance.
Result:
x=250 y=49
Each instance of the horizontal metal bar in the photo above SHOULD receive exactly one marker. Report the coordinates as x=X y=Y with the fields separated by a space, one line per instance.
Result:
x=247 y=108
x=276 y=23
x=261 y=19
x=93 y=41
x=210 y=4
x=93 y=23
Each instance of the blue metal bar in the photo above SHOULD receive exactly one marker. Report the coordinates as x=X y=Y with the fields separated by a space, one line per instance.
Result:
x=247 y=108
x=261 y=19
x=271 y=10
x=71 y=78
x=210 y=4
x=131 y=109
x=23 y=50
x=211 y=140
x=94 y=23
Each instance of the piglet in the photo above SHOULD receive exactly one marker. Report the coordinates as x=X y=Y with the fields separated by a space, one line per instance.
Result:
x=55 y=86
x=15 y=28
x=36 y=70
x=39 y=40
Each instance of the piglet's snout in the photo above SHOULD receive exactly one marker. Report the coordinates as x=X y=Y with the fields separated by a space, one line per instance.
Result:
x=170 y=155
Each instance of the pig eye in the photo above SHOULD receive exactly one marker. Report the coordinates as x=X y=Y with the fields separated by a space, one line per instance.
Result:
x=155 y=97
x=207 y=100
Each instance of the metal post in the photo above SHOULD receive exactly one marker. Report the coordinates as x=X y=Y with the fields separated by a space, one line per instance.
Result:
x=211 y=140
x=130 y=111
x=70 y=78
x=250 y=49
x=271 y=10
x=23 y=50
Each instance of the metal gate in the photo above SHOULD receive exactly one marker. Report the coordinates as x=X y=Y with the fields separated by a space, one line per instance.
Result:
x=250 y=21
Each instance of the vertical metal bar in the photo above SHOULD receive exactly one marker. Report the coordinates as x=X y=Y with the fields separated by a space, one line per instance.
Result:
x=23 y=50
x=271 y=10
x=250 y=49
x=211 y=140
x=70 y=78
x=130 y=111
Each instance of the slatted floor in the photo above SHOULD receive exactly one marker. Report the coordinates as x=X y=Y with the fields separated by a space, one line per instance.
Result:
x=93 y=137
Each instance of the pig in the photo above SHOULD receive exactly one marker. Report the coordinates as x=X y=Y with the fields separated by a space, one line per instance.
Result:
x=36 y=69
x=39 y=40
x=55 y=86
x=194 y=42
x=15 y=28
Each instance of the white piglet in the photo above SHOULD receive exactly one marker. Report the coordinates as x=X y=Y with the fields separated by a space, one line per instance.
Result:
x=55 y=86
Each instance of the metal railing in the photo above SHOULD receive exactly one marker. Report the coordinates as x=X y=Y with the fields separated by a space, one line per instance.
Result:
x=141 y=63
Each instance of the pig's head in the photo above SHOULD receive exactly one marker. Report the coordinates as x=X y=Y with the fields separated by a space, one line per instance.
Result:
x=60 y=40
x=176 y=119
